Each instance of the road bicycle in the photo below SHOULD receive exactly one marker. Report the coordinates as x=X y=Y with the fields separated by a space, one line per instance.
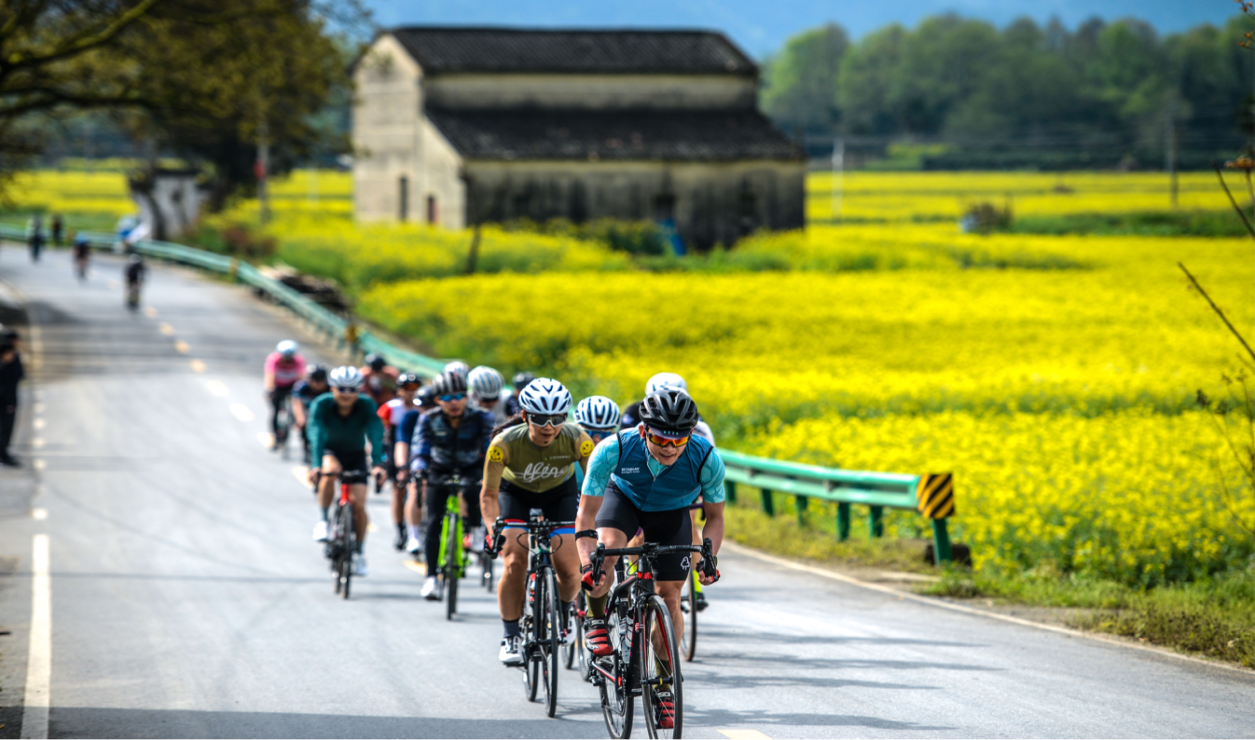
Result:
x=689 y=607
x=643 y=662
x=342 y=535
x=452 y=560
x=283 y=423
x=575 y=651
x=541 y=623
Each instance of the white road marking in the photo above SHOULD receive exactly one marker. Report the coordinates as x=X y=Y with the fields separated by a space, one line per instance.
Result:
x=40 y=465
x=37 y=442
x=114 y=284
x=39 y=424
x=198 y=366
x=218 y=388
x=39 y=514
x=744 y=735
x=39 y=407
x=39 y=660
x=241 y=412
x=150 y=312
x=181 y=347
x=167 y=330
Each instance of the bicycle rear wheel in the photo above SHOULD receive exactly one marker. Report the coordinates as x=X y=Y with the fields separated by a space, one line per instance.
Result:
x=617 y=702
x=659 y=668
x=346 y=555
x=573 y=646
x=550 y=641
x=530 y=628
x=688 y=606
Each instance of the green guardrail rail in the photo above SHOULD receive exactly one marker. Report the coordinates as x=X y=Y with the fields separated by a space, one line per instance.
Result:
x=932 y=495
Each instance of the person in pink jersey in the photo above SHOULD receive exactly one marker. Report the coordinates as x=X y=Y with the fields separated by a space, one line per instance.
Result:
x=284 y=367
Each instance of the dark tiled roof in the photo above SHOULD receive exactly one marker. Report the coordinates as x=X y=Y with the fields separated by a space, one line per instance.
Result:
x=676 y=135
x=589 y=52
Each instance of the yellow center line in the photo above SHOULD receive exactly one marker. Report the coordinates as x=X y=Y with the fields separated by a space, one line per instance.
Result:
x=150 y=312
x=419 y=568
x=167 y=330
x=301 y=473
x=181 y=347
x=198 y=366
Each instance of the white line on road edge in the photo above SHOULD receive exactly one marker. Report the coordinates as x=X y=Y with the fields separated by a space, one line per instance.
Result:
x=39 y=514
x=1110 y=640
x=241 y=412
x=39 y=660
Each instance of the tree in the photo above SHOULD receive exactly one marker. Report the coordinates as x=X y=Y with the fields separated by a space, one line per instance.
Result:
x=863 y=84
x=801 y=86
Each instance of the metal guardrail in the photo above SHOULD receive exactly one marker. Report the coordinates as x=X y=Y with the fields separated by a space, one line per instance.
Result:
x=932 y=495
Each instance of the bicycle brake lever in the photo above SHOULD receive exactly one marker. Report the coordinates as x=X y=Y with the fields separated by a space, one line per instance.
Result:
x=709 y=567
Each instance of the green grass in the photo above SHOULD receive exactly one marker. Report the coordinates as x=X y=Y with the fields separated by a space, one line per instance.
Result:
x=1150 y=223
x=73 y=221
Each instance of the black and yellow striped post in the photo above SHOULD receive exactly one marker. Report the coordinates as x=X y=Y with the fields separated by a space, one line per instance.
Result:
x=935 y=497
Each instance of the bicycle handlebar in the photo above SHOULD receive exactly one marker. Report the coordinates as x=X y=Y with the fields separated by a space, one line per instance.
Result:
x=531 y=525
x=651 y=549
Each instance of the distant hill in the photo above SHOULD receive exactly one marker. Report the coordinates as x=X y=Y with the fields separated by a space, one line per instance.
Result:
x=762 y=27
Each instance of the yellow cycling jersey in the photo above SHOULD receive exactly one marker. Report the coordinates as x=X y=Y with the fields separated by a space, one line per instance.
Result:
x=512 y=455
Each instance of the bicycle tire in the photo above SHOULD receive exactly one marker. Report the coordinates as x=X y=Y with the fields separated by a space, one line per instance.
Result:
x=688 y=606
x=617 y=702
x=453 y=548
x=531 y=666
x=656 y=625
x=551 y=647
x=572 y=647
x=488 y=574
x=346 y=557
x=334 y=548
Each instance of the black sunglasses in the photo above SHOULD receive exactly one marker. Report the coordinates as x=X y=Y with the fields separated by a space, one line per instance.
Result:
x=541 y=420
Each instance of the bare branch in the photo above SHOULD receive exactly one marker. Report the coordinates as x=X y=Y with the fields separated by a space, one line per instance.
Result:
x=1216 y=308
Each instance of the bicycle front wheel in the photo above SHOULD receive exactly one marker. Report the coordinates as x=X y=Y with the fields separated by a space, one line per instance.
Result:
x=659 y=670
x=346 y=556
x=551 y=642
x=452 y=553
x=530 y=624
x=573 y=646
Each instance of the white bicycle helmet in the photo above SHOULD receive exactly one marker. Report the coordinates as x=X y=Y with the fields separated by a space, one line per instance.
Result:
x=545 y=396
x=345 y=377
x=459 y=367
x=485 y=383
x=597 y=412
x=663 y=381
x=287 y=348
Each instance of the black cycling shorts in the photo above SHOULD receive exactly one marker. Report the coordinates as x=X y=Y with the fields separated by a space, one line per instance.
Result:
x=349 y=461
x=559 y=503
x=667 y=528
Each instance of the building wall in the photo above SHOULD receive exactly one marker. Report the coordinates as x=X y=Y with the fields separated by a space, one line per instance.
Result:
x=591 y=91
x=710 y=203
x=386 y=134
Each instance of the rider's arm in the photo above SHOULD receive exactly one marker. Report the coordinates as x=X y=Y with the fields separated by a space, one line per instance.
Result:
x=374 y=433
x=596 y=477
x=268 y=382
x=420 y=447
x=315 y=431
x=494 y=465
x=712 y=499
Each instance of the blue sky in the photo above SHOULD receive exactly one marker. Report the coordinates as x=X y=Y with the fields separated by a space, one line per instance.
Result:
x=761 y=27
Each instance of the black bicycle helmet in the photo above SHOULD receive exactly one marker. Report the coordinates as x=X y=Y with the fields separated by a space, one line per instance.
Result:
x=448 y=383
x=521 y=380
x=405 y=379
x=669 y=410
x=318 y=373
x=426 y=397
x=376 y=362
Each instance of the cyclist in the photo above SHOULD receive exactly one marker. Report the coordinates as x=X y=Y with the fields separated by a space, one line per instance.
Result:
x=340 y=425
x=531 y=466
x=599 y=416
x=450 y=440
x=424 y=402
x=457 y=367
x=392 y=414
x=82 y=256
x=283 y=368
x=380 y=379
x=303 y=395
x=521 y=379
x=485 y=384
x=135 y=273
x=646 y=478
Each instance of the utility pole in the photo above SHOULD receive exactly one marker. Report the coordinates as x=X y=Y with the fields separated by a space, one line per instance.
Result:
x=262 y=172
x=838 y=178
x=1170 y=150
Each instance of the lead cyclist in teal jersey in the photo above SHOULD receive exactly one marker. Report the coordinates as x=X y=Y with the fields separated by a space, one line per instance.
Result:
x=647 y=478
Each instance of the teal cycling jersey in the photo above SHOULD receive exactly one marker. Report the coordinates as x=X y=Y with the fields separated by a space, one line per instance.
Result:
x=328 y=429
x=650 y=485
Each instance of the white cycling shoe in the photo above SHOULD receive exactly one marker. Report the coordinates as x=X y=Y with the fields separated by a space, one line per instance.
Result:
x=359 y=565
x=412 y=546
x=431 y=589
x=320 y=531
x=511 y=651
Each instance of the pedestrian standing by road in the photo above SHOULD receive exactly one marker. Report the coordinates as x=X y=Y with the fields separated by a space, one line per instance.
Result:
x=57 y=229
x=11 y=373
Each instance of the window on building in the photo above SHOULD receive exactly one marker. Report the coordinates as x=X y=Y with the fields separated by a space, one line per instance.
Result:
x=433 y=210
x=404 y=199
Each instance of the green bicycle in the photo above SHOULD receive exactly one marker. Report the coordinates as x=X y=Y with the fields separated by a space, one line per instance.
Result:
x=452 y=565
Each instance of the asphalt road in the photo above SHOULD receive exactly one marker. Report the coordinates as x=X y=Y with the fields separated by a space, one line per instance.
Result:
x=188 y=600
